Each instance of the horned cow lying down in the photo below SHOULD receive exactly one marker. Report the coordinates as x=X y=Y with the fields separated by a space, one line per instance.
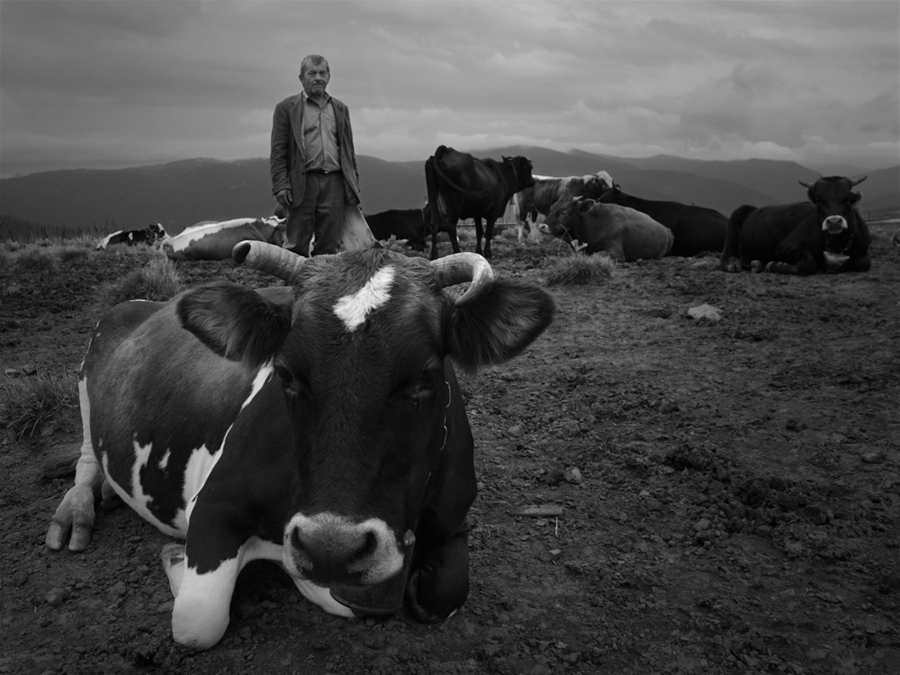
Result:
x=318 y=425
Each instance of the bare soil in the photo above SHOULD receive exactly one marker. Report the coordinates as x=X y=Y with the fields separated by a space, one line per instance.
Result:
x=735 y=509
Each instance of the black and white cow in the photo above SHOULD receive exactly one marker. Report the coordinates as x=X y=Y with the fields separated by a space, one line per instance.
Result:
x=318 y=425
x=149 y=235
x=825 y=234
x=214 y=240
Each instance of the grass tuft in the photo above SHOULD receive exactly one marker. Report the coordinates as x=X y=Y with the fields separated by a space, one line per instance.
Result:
x=578 y=269
x=157 y=280
x=36 y=259
x=27 y=404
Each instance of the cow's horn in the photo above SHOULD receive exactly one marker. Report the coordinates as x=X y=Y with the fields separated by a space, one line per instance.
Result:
x=857 y=182
x=806 y=185
x=265 y=257
x=460 y=268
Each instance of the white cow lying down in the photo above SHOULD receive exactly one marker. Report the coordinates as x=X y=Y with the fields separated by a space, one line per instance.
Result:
x=211 y=240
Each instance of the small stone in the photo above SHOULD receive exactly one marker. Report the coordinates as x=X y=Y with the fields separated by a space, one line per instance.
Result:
x=702 y=525
x=706 y=313
x=873 y=457
x=573 y=475
x=56 y=597
x=515 y=431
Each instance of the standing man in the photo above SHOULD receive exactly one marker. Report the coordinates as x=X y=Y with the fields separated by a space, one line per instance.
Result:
x=313 y=162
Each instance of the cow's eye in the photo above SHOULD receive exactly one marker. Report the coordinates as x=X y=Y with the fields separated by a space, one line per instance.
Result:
x=423 y=388
x=292 y=385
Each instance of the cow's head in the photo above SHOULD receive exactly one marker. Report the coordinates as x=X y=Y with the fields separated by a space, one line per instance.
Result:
x=379 y=434
x=155 y=232
x=565 y=215
x=612 y=195
x=522 y=168
x=834 y=200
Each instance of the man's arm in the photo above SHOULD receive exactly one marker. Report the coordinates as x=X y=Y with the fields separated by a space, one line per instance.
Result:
x=279 y=156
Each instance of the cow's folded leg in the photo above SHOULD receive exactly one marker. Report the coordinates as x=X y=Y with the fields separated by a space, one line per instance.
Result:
x=74 y=517
x=173 y=563
x=201 y=613
x=440 y=585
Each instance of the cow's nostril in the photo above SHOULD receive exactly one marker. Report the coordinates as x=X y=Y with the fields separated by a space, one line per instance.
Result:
x=296 y=542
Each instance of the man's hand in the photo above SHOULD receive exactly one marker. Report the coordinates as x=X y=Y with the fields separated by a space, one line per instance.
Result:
x=283 y=197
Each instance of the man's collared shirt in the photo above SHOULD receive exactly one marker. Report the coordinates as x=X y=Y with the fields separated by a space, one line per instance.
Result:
x=320 y=144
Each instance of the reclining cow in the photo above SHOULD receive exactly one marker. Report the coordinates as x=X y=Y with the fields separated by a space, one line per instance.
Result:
x=318 y=425
x=402 y=224
x=697 y=229
x=535 y=202
x=148 y=235
x=627 y=235
x=214 y=240
x=825 y=234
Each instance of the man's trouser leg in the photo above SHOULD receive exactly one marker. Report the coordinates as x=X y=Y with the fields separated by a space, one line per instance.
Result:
x=329 y=212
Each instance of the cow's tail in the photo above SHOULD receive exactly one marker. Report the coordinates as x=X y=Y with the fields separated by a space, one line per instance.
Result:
x=731 y=252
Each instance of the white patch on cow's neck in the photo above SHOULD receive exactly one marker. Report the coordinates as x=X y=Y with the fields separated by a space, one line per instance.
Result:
x=353 y=309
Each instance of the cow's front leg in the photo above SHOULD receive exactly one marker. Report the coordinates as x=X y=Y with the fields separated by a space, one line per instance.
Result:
x=789 y=261
x=859 y=264
x=439 y=586
x=73 y=521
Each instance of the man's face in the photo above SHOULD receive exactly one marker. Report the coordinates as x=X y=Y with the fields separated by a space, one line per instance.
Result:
x=315 y=79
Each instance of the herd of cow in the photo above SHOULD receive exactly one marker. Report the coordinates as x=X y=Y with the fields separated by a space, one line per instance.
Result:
x=825 y=233
x=223 y=417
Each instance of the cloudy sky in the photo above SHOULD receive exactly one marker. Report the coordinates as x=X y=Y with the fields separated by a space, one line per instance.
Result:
x=108 y=84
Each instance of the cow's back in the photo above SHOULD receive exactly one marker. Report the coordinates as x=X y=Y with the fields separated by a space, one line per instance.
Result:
x=624 y=232
x=129 y=370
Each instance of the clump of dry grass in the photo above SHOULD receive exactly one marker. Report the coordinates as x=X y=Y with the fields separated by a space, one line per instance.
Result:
x=27 y=404
x=34 y=258
x=157 y=280
x=70 y=253
x=578 y=269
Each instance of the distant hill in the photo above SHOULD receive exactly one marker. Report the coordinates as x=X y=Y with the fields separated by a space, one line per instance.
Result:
x=178 y=194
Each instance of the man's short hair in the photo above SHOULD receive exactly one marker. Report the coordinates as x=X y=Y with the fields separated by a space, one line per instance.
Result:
x=313 y=60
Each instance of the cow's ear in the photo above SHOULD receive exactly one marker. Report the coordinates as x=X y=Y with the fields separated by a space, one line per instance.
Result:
x=585 y=205
x=235 y=322
x=498 y=325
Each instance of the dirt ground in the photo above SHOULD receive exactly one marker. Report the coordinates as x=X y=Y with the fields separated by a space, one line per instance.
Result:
x=717 y=497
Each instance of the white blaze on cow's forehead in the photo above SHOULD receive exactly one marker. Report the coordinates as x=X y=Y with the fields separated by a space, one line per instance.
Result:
x=354 y=308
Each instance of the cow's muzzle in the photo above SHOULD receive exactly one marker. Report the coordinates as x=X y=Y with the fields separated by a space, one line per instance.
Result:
x=364 y=563
x=834 y=224
x=328 y=548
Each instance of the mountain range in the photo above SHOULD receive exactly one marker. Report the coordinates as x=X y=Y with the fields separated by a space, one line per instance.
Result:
x=178 y=194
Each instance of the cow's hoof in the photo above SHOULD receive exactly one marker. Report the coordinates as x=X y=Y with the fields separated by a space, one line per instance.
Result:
x=172 y=556
x=756 y=267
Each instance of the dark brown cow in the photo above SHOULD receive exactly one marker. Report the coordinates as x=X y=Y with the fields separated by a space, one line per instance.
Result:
x=462 y=186
x=825 y=234
x=696 y=228
x=318 y=425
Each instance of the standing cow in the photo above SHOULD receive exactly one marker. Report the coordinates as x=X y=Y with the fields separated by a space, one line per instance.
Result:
x=825 y=234
x=319 y=425
x=622 y=232
x=535 y=202
x=462 y=186
x=697 y=229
